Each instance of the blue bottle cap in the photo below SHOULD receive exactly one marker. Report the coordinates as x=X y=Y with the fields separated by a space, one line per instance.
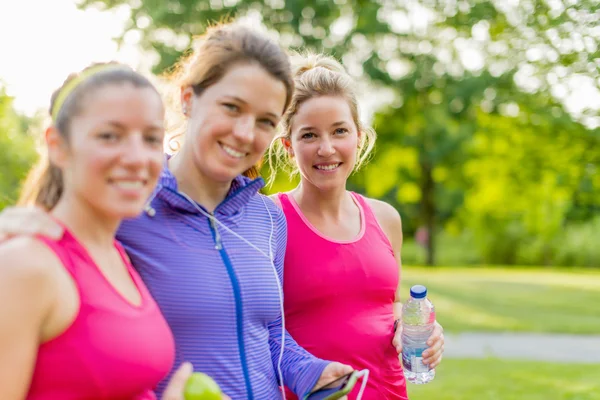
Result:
x=418 y=292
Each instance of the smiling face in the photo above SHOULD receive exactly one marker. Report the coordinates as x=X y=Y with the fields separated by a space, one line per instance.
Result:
x=324 y=142
x=232 y=122
x=114 y=153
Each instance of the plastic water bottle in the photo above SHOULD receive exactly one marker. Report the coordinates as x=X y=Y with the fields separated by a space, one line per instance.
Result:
x=418 y=318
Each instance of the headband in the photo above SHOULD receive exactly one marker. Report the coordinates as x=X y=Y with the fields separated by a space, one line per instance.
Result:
x=70 y=86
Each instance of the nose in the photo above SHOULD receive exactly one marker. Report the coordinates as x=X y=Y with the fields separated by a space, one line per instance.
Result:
x=134 y=152
x=326 y=148
x=243 y=129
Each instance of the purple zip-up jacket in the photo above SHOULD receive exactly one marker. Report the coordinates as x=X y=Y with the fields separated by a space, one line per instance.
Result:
x=218 y=294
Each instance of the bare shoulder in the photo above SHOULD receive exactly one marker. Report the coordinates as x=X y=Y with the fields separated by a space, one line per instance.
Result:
x=389 y=219
x=386 y=213
x=26 y=261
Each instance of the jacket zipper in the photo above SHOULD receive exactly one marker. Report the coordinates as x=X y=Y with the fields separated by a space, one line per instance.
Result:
x=238 y=303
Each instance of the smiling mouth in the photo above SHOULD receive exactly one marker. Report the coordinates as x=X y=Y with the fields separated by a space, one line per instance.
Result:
x=128 y=185
x=232 y=152
x=328 y=167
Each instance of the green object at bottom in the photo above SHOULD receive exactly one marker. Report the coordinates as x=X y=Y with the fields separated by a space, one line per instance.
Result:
x=202 y=387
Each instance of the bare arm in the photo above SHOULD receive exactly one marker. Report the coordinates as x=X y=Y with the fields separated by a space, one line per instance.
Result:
x=391 y=223
x=27 y=288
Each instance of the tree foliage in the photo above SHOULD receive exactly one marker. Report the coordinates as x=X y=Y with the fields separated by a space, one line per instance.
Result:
x=479 y=136
x=19 y=150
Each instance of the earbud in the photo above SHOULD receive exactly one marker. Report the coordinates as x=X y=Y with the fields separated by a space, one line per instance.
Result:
x=149 y=210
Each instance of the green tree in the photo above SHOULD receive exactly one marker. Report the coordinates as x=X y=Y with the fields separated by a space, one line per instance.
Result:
x=452 y=66
x=19 y=150
x=530 y=174
x=422 y=146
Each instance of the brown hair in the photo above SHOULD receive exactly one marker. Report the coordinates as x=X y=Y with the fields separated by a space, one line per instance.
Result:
x=317 y=75
x=218 y=50
x=44 y=184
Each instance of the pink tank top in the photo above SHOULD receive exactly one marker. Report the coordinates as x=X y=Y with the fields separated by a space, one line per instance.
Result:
x=113 y=349
x=339 y=298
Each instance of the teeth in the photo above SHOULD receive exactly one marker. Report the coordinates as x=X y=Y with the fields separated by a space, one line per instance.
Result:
x=129 y=185
x=232 y=152
x=328 y=167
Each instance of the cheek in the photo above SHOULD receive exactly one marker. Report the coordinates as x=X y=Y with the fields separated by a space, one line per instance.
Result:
x=157 y=160
x=91 y=163
x=211 y=129
x=304 y=154
x=262 y=141
x=349 y=147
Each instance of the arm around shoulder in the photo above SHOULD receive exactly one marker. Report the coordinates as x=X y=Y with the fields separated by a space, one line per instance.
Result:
x=27 y=287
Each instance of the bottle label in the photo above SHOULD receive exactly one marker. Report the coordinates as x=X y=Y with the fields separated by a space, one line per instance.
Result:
x=412 y=360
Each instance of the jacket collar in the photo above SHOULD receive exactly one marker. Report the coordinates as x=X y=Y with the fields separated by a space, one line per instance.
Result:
x=241 y=191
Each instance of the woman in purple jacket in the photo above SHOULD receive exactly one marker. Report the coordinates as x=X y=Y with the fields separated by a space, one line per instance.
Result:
x=209 y=247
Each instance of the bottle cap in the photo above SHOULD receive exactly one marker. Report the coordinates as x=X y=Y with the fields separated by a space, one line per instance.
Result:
x=418 y=292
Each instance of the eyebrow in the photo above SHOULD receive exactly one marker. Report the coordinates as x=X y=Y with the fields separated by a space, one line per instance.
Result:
x=240 y=100
x=119 y=125
x=311 y=128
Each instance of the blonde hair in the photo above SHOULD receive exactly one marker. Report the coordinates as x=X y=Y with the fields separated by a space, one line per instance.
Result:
x=222 y=47
x=44 y=185
x=317 y=75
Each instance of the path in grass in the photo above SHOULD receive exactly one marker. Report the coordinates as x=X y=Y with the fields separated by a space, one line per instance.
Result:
x=524 y=346
x=564 y=301
x=541 y=314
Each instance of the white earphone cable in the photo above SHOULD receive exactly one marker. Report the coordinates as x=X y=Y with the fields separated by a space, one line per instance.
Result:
x=272 y=262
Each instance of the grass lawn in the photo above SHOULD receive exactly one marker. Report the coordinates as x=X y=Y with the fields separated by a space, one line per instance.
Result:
x=492 y=379
x=511 y=299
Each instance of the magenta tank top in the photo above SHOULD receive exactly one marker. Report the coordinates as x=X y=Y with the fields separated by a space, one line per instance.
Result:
x=339 y=298
x=113 y=349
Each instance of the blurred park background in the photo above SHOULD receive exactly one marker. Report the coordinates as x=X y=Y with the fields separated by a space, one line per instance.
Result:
x=488 y=115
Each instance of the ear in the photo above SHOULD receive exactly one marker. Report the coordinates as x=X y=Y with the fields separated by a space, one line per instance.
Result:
x=360 y=138
x=287 y=144
x=187 y=94
x=57 y=149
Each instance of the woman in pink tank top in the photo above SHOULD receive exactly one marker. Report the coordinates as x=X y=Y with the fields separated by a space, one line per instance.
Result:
x=342 y=263
x=76 y=321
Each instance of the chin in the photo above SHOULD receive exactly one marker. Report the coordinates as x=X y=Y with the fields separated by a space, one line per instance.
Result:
x=326 y=186
x=123 y=211
x=224 y=174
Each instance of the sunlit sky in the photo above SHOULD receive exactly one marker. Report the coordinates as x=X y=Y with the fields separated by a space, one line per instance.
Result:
x=42 y=41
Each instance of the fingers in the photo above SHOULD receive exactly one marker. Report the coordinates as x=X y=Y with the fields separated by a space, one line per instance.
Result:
x=343 y=369
x=397 y=341
x=174 y=390
x=16 y=221
x=433 y=355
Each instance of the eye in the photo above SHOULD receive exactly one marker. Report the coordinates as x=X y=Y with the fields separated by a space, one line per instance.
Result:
x=268 y=122
x=108 y=136
x=154 y=139
x=231 y=107
x=308 y=135
x=341 y=131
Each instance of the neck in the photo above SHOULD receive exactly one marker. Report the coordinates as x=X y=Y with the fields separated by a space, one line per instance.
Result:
x=92 y=227
x=331 y=203
x=197 y=186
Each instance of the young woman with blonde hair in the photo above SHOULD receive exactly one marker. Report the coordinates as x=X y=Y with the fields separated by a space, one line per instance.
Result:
x=343 y=257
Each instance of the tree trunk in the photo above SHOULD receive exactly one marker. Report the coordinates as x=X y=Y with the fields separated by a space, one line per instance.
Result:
x=428 y=209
